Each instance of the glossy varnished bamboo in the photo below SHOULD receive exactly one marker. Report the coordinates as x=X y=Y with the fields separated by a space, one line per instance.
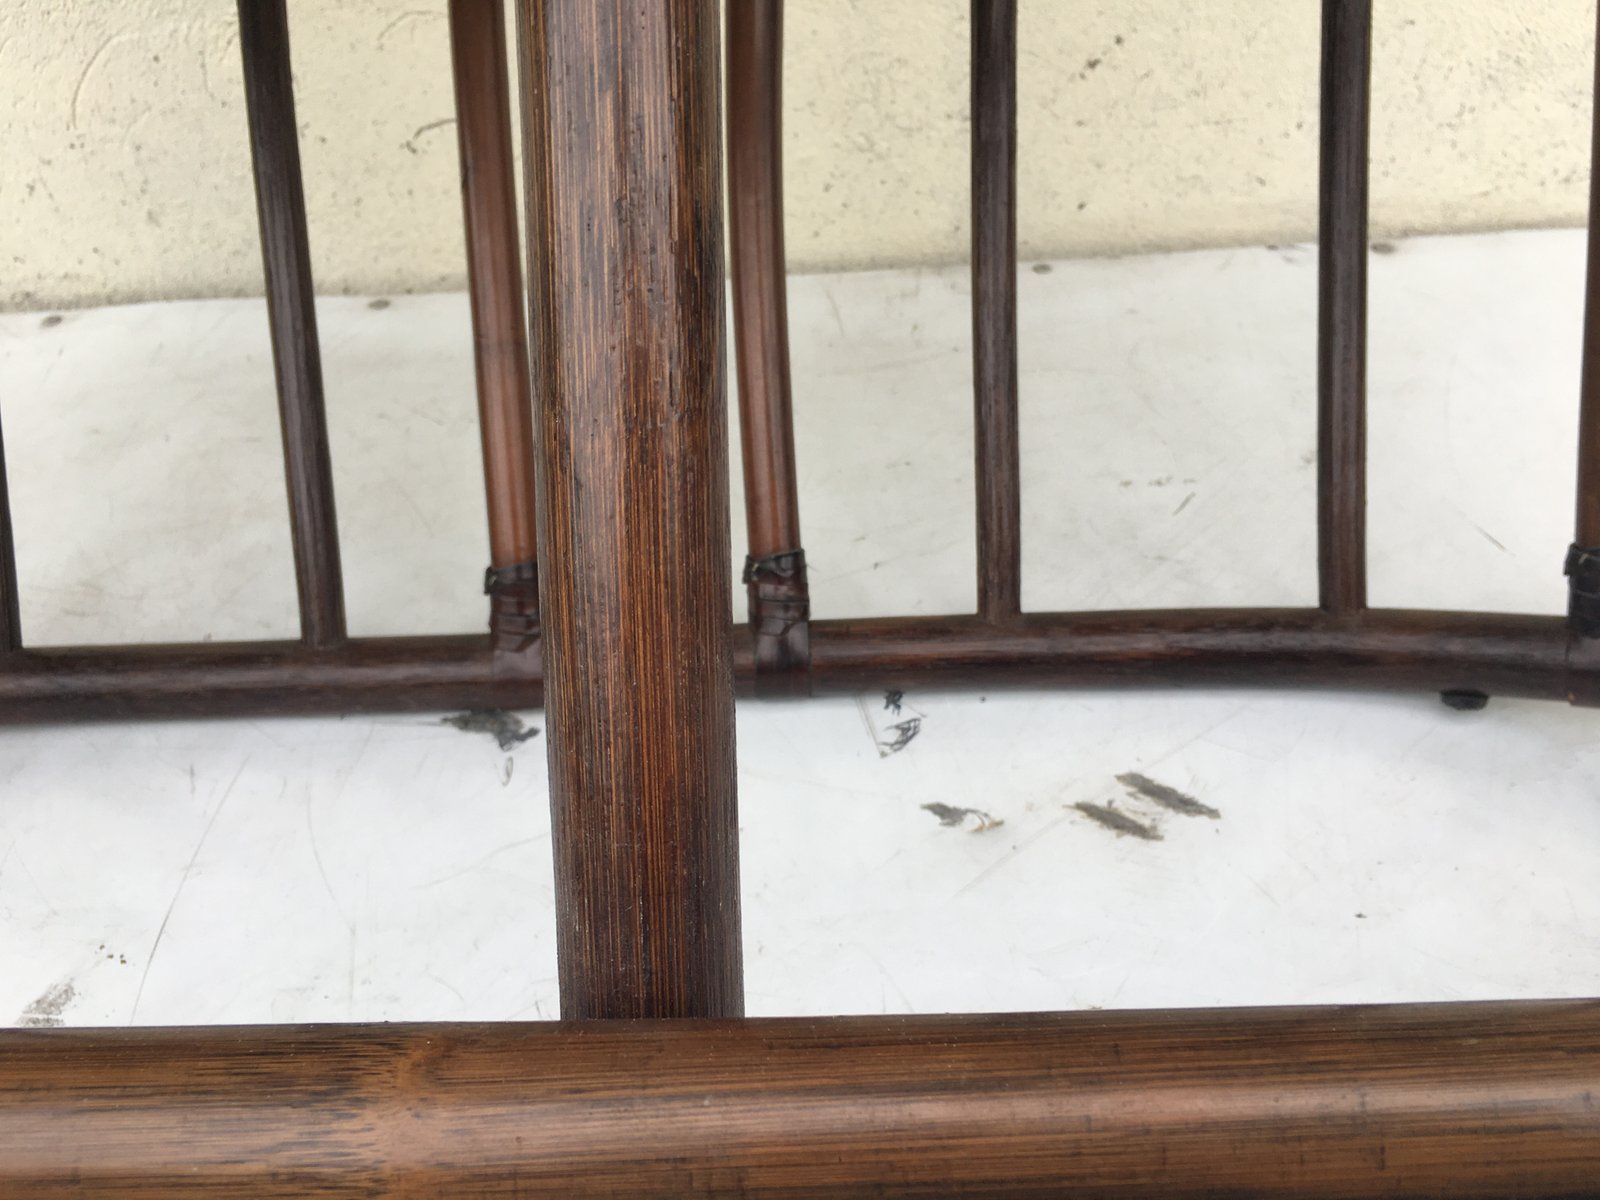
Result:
x=1502 y=654
x=994 y=306
x=494 y=274
x=1588 y=507
x=10 y=614
x=1377 y=650
x=756 y=271
x=255 y=679
x=291 y=311
x=1469 y=1101
x=1342 y=307
x=1583 y=558
x=623 y=126
x=775 y=569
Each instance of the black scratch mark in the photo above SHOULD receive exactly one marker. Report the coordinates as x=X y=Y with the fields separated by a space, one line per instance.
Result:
x=1496 y=542
x=1169 y=798
x=1118 y=823
x=904 y=733
x=178 y=891
x=410 y=144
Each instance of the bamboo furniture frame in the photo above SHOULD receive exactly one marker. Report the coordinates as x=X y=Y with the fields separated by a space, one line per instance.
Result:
x=636 y=665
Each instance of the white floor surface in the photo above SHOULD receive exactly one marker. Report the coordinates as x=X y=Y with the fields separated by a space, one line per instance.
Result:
x=1366 y=847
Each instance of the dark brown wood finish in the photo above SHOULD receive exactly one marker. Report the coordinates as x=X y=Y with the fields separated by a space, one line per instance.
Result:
x=292 y=312
x=1583 y=559
x=623 y=125
x=1342 y=307
x=10 y=613
x=994 y=307
x=499 y=329
x=1502 y=654
x=775 y=571
x=1486 y=652
x=254 y=679
x=1588 y=515
x=1466 y=1101
x=756 y=267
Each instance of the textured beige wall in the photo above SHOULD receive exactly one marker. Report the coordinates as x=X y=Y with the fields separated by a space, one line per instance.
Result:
x=1145 y=124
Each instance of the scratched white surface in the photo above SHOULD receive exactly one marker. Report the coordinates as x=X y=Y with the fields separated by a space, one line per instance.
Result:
x=1368 y=847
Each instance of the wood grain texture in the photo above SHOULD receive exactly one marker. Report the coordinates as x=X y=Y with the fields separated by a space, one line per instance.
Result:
x=1342 y=306
x=775 y=571
x=625 y=217
x=1403 y=650
x=1583 y=558
x=1298 y=648
x=254 y=679
x=292 y=314
x=994 y=307
x=494 y=274
x=1588 y=505
x=756 y=266
x=10 y=614
x=1465 y=1101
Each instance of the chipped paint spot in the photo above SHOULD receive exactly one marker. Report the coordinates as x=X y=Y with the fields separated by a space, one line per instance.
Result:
x=953 y=816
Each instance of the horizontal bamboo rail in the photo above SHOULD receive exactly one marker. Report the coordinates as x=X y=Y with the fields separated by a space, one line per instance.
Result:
x=1460 y=1100
x=1381 y=650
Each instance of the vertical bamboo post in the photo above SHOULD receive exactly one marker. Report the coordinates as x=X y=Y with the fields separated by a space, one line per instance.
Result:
x=625 y=225
x=292 y=313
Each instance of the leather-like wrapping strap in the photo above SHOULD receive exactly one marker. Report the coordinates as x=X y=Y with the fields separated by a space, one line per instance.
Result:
x=1583 y=619
x=1583 y=578
x=780 y=621
x=513 y=593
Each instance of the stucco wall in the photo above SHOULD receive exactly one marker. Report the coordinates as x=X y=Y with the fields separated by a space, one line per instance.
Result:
x=1145 y=124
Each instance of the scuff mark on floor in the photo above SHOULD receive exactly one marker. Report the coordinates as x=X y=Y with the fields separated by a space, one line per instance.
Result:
x=904 y=732
x=1169 y=798
x=1119 y=823
x=894 y=738
x=506 y=728
x=45 y=1012
x=954 y=816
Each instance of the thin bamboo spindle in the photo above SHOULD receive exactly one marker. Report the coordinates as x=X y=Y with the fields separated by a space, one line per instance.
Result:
x=994 y=307
x=775 y=570
x=499 y=329
x=1342 y=307
x=10 y=616
x=1583 y=560
x=292 y=314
